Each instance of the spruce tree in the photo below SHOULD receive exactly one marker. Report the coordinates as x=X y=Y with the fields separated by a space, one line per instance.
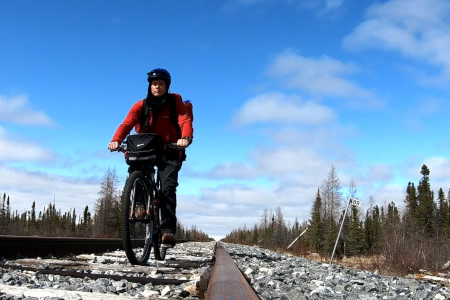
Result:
x=377 y=230
x=280 y=237
x=426 y=208
x=355 y=239
x=255 y=235
x=410 y=207
x=447 y=216
x=86 y=223
x=3 y=220
x=315 y=230
x=330 y=235
x=442 y=214
x=393 y=215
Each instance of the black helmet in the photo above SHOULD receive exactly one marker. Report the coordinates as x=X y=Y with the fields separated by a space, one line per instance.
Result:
x=159 y=74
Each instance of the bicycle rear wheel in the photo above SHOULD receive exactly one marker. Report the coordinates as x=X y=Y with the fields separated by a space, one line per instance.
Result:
x=137 y=228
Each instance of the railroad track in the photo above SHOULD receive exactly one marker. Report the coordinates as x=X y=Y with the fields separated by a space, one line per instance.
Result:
x=192 y=271
x=207 y=272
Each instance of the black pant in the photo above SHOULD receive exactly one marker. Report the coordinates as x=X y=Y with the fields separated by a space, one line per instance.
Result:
x=168 y=174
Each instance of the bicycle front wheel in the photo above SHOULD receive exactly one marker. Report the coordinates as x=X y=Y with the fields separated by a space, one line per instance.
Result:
x=137 y=228
x=159 y=250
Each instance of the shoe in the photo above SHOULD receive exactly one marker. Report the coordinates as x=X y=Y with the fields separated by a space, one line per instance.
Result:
x=139 y=211
x=168 y=238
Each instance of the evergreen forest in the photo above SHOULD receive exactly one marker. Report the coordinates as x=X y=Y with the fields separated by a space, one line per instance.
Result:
x=398 y=241
x=104 y=222
x=400 y=238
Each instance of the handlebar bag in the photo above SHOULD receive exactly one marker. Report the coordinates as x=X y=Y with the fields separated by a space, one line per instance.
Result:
x=144 y=148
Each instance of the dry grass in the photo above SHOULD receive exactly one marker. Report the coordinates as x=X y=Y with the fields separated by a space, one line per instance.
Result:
x=377 y=263
x=370 y=263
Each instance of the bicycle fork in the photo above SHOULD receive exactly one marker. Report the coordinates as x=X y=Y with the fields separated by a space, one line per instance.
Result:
x=140 y=210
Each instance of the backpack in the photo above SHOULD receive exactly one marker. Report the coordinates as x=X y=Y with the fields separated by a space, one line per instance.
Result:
x=145 y=117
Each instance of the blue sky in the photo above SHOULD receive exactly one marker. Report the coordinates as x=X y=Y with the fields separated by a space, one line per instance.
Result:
x=282 y=90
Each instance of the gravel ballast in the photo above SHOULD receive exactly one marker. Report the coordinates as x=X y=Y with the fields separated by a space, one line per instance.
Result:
x=272 y=275
x=284 y=277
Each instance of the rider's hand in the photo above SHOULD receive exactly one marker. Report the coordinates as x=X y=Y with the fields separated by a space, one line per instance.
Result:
x=183 y=143
x=113 y=145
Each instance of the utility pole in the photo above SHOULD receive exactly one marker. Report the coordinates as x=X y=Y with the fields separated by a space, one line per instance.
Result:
x=355 y=202
x=307 y=225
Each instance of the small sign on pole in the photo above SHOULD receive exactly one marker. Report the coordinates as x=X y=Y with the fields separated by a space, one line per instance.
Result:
x=355 y=202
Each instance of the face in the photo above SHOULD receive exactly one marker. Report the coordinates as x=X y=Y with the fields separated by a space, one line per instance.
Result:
x=158 y=87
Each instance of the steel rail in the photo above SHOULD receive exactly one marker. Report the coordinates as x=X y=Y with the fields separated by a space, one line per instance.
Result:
x=227 y=281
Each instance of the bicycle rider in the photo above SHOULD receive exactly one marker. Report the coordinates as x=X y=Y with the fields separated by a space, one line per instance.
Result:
x=158 y=121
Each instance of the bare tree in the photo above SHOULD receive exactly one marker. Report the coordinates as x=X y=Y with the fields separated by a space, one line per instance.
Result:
x=331 y=204
x=352 y=189
x=331 y=195
x=107 y=206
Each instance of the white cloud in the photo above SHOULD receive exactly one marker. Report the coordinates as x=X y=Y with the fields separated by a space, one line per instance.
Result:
x=322 y=138
x=417 y=29
x=321 y=7
x=324 y=76
x=432 y=106
x=18 y=110
x=277 y=163
x=386 y=194
x=227 y=207
x=249 y=2
x=13 y=150
x=284 y=160
x=378 y=173
x=281 y=108
x=67 y=193
x=240 y=195
x=333 y=4
x=439 y=168
x=219 y=210
x=236 y=170
x=302 y=144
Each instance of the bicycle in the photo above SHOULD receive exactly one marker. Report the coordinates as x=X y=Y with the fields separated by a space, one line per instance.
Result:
x=141 y=213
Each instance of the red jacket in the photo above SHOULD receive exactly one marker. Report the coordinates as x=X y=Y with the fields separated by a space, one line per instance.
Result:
x=161 y=125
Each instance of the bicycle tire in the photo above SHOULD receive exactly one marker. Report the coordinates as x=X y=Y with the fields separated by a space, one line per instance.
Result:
x=158 y=251
x=163 y=253
x=137 y=231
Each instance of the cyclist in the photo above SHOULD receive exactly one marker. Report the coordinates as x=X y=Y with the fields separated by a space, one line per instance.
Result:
x=152 y=115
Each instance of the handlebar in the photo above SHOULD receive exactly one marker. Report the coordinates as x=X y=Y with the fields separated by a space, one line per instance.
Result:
x=123 y=147
x=174 y=146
